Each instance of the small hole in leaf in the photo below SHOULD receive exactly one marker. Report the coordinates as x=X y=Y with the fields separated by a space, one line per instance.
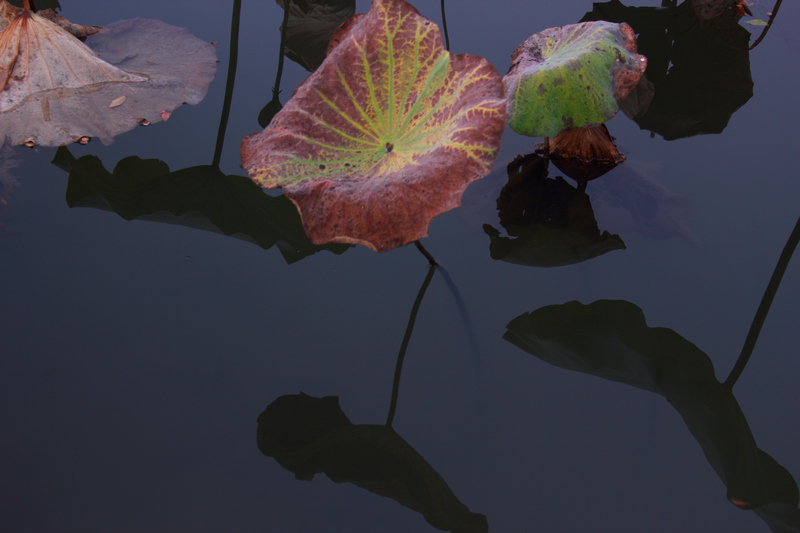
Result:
x=322 y=167
x=389 y=147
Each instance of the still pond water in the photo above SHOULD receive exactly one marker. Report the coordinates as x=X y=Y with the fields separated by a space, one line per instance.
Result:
x=136 y=356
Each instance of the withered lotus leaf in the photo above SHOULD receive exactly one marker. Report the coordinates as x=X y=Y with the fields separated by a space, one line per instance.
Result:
x=385 y=135
x=54 y=89
x=41 y=61
x=570 y=76
x=7 y=13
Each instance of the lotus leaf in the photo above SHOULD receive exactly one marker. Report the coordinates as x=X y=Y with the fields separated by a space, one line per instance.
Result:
x=56 y=90
x=385 y=135
x=8 y=13
x=570 y=76
x=698 y=74
x=40 y=61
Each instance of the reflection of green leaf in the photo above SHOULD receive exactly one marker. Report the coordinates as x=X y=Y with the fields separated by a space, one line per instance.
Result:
x=697 y=74
x=571 y=76
x=611 y=340
x=757 y=22
x=309 y=435
x=231 y=205
x=385 y=135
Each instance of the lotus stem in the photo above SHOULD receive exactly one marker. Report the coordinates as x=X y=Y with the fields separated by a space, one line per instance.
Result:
x=444 y=27
x=277 y=88
x=232 y=59
x=769 y=24
x=431 y=261
x=547 y=147
x=763 y=308
x=404 y=346
x=272 y=108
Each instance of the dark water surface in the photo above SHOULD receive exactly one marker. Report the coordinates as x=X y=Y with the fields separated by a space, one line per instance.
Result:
x=136 y=356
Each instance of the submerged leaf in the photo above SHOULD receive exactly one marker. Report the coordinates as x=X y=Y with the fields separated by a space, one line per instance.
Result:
x=584 y=153
x=586 y=144
x=570 y=76
x=385 y=135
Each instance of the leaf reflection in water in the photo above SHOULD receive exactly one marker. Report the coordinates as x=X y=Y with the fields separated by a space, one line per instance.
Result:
x=8 y=182
x=611 y=340
x=308 y=435
x=310 y=27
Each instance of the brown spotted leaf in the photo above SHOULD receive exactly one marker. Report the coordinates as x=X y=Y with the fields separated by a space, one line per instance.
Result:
x=571 y=76
x=385 y=135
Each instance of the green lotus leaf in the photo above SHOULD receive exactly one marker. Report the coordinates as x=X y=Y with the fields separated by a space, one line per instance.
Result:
x=698 y=74
x=571 y=76
x=385 y=134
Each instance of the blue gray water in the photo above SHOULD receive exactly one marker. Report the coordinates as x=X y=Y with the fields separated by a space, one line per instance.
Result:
x=136 y=356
